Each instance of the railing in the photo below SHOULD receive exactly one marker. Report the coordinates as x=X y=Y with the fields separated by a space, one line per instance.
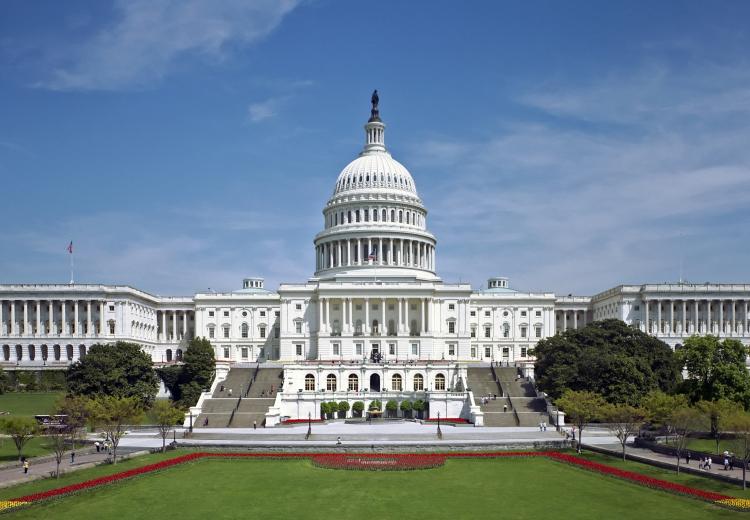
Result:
x=236 y=407
x=252 y=379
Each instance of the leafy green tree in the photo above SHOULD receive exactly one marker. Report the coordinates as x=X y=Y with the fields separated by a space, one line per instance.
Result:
x=623 y=421
x=119 y=370
x=343 y=408
x=392 y=407
x=716 y=370
x=419 y=407
x=406 y=407
x=112 y=414
x=4 y=382
x=581 y=407
x=171 y=377
x=739 y=424
x=166 y=415
x=358 y=407
x=684 y=421
x=607 y=357
x=19 y=428
x=718 y=413
x=659 y=407
x=200 y=364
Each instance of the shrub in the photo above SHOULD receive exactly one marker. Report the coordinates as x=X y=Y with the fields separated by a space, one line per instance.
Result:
x=343 y=407
x=358 y=407
x=375 y=405
x=391 y=406
x=406 y=407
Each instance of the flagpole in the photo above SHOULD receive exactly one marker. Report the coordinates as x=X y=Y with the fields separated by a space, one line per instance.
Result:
x=71 y=268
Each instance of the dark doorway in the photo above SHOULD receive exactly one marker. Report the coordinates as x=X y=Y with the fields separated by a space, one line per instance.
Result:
x=375 y=383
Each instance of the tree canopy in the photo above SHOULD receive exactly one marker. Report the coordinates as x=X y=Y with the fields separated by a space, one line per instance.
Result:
x=716 y=370
x=186 y=382
x=606 y=357
x=121 y=369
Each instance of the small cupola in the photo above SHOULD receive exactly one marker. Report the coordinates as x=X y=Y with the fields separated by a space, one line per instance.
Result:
x=497 y=282
x=252 y=283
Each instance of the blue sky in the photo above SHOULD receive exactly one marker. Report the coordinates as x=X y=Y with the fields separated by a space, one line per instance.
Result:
x=571 y=146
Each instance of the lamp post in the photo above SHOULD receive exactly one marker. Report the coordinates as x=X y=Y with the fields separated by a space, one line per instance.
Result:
x=309 y=425
x=439 y=432
x=191 y=421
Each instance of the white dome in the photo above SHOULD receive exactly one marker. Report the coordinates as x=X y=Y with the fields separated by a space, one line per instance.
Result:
x=375 y=170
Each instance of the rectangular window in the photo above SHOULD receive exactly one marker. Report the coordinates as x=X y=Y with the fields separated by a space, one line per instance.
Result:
x=538 y=314
x=487 y=351
x=523 y=314
x=276 y=332
x=392 y=349
x=298 y=327
x=298 y=348
x=523 y=332
x=358 y=348
x=488 y=332
x=298 y=306
x=637 y=308
x=506 y=352
x=262 y=314
x=486 y=314
x=415 y=349
x=244 y=352
x=473 y=352
x=226 y=332
x=451 y=327
x=211 y=333
x=262 y=332
x=336 y=349
x=451 y=306
x=523 y=351
x=211 y=314
x=538 y=332
x=473 y=332
x=451 y=350
x=473 y=313
x=112 y=308
x=226 y=352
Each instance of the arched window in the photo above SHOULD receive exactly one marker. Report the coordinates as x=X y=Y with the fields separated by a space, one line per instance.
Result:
x=407 y=217
x=245 y=330
x=353 y=383
x=393 y=215
x=418 y=382
x=178 y=354
x=19 y=352
x=81 y=351
x=331 y=382
x=396 y=383
x=6 y=352
x=336 y=219
x=349 y=217
x=69 y=352
x=375 y=330
x=384 y=216
x=440 y=382
x=375 y=214
x=169 y=354
x=400 y=216
x=56 y=349
x=32 y=352
x=45 y=352
x=309 y=383
x=506 y=330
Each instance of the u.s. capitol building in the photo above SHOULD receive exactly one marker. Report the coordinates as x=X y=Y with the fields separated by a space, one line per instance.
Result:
x=374 y=316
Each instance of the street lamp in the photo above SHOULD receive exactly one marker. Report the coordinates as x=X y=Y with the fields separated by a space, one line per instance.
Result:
x=439 y=432
x=309 y=425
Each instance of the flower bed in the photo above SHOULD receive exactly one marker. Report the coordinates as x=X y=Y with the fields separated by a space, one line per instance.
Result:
x=389 y=462
x=453 y=420
x=302 y=421
x=373 y=462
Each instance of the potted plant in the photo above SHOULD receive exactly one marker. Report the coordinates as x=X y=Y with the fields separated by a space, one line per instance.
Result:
x=343 y=407
x=406 y=408
x=358 y=407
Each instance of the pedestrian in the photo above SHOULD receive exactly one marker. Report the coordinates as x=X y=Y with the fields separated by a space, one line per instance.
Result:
x=255 y=425
x=505 y=408
x=494 y=397
x=72 y=457
x=221 y=389
x=540 y=427
x=25 y=466
x=96 y=445
x=709 y=461
x=700 y=463
x=687 y=457
x=726 y=463
x=338 y=441
x=731 y=462
x=230 y=392
x=544 y=425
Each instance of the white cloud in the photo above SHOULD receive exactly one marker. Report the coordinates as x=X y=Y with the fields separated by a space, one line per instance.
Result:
x=150 y=36
x=661 y=170
x=262 y=110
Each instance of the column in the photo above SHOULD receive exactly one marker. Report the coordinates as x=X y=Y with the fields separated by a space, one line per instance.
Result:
x=26 y=318
x=366 y=328
x=76 y=329
x=709 y=326
x=39 y=317
x=359 y=251
x=2 y=317
x=380 y=254
x=721 y=317
x=648 y=327
x=399 y=314
x=50 y=317
x=338 y=253
x=184 y=324
x=575 y=320
x=695 y=312
x=684 y=320
x=401 y=252
x=658 y=317
x=163 y=325
x=383 y=327
x=369 y=250
x=328 y=315
x=565 y=320
x=390 y=253
x=174 y=325
x=320 y=314
x=671 y=317
x=734 y=329
x=101 y=318
x=745 y=321
x=424 y=315
x=88 y=317
x=63 y=319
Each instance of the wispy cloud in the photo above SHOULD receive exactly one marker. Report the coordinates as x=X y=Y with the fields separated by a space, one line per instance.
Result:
x=262 y=110
x=659 y=169
x=150 y=36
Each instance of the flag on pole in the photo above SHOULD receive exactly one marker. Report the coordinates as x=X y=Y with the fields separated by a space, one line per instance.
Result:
x=373 y=254
x=70 y=247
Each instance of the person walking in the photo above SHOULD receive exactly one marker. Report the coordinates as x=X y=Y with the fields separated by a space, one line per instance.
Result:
x=72 y=457
x=255 y=425
x=505 y=408
x=25 y=466
x=687 y=457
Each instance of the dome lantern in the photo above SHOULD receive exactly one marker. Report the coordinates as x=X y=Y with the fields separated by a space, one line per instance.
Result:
x=374 y=129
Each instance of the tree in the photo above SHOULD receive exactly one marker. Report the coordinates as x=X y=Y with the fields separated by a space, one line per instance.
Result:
x=659 y=407
x=739 y=423
x=581 y=407
x=20 y=429
x=418 y=406
x=716 y=370
x=166 y=416
x=358 y=407
x=607 y=357
x=392 y=407
x=75 y=410
x=112 y=414
x=343 y=408
x=718 y=413
x=186 y=382
x=684 y=421
x=623 y=421
x=119 y=370
x=406 y=407
x=57 y=439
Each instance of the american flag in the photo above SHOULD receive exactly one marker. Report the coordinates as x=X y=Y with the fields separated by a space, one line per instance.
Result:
x=70 y=247
x=373 y=254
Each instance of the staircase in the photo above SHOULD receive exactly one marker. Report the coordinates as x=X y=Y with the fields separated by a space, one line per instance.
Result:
x=531 y=410
x=482 y=383
x=242 y=399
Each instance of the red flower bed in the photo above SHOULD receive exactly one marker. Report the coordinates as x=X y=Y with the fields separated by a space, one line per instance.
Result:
x=394 y=461
x=301 y=421
x=374 y=462
x=454 y=420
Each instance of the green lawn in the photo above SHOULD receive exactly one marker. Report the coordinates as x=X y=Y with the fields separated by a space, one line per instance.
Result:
x=491 y=488
x=29 y=403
